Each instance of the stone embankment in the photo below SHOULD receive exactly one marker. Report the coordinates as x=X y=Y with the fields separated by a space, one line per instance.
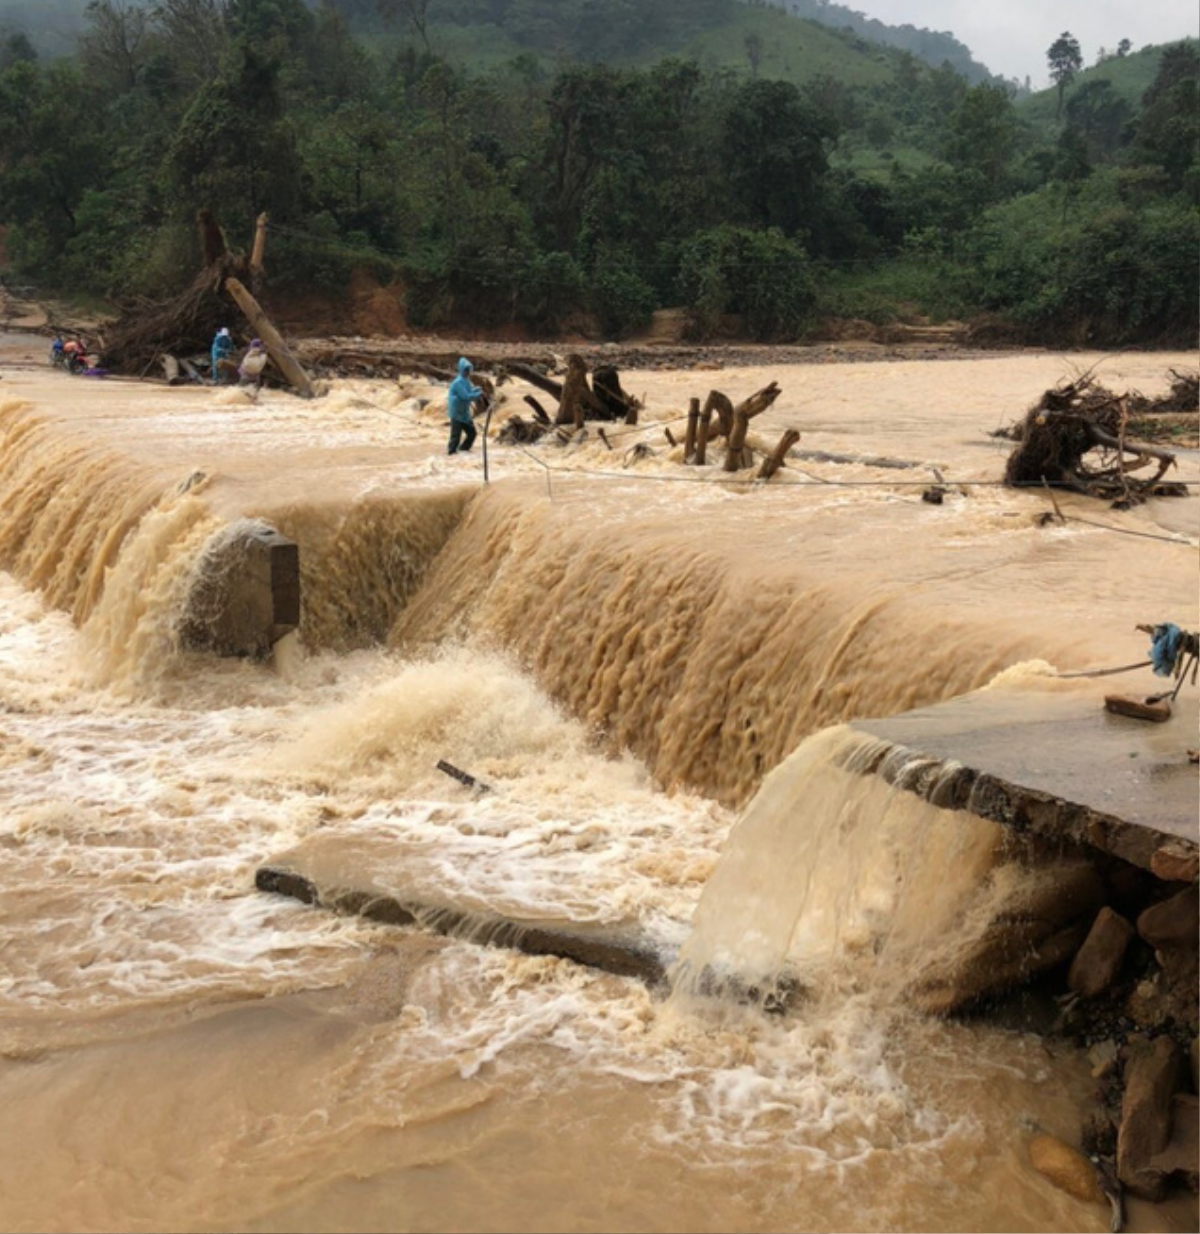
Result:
x=1111 y=802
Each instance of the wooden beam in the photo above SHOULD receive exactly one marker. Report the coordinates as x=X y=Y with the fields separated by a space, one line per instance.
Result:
x=260 y=247
x=277 y=349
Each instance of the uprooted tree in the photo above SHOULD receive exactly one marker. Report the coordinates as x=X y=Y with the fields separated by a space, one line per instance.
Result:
x=229 y=282
x=1077 y=437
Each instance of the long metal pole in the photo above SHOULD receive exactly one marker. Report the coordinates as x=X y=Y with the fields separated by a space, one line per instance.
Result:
x=487 y=423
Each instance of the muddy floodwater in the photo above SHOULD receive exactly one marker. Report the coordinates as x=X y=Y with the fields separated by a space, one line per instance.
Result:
x=634 y=655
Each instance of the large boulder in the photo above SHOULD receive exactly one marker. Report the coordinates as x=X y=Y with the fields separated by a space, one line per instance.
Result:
x=1099 y=960
x=1174 y=922
x=1152 y=1075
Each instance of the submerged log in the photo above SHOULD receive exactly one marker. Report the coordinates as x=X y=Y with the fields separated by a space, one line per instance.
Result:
x=539 y=412
x=463 y=777
x=535 y=377
x=614 y=949
x=704 y=428
x=518 y=431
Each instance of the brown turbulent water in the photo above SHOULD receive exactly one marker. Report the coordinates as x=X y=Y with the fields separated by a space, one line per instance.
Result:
x=625 y=658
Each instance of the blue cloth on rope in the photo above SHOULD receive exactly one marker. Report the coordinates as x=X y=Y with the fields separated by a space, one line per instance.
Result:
x=1164 y=651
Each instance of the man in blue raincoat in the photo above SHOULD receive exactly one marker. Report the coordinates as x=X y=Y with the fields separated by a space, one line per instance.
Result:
x=458 y=405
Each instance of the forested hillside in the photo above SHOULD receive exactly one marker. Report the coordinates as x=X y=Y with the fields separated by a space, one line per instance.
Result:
x=504 y=178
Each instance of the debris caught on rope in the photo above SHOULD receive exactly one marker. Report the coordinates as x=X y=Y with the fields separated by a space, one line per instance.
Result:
x=1077 y=437
x=1173 y=652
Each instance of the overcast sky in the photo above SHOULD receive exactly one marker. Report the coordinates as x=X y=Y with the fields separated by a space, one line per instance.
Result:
x=1012 y=37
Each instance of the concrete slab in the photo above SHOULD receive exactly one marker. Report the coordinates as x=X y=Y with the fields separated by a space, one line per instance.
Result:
x=368 y=877
x=1061 y=767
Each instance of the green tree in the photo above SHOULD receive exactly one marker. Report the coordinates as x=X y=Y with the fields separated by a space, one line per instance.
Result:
x=115 y=46
x=14 y=49
x=761 y=275
x=233 y=150
x=44 y=171
x=1100 y=116
x=775 y=150
x=1167 y=132
x=981 y=141
x=1066 y=59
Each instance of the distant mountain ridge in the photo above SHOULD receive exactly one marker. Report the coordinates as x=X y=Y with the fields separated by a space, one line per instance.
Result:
x=584 y=28
x=935 y=47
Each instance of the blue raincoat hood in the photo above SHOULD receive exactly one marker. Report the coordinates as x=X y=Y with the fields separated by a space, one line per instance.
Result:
x=464 y=366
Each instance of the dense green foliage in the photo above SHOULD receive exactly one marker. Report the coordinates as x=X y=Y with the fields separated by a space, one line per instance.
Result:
x=552 y=193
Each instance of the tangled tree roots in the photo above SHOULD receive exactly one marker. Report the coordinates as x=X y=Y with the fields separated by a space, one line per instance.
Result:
x=183 y=326
x=1076 y=438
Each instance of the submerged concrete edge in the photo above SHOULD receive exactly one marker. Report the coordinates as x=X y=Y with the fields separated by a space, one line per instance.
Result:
x=624 y=957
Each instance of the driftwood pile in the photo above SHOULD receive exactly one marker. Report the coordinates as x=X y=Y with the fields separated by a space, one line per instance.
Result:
x=1077 y=437
x=578 y=399
x=718 y=419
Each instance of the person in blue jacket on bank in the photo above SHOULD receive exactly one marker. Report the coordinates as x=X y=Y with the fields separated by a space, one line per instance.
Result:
x=222 y=349
x=458 y=406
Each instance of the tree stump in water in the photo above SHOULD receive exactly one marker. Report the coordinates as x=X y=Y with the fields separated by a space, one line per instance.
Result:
x=613 y=402
x=574 y=389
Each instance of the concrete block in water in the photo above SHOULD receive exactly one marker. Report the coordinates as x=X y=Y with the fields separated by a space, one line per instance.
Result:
x=246 y=596
x=613 y=952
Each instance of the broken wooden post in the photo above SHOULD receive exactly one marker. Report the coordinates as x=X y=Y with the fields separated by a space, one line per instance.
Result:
x=277 y=349
x=258 y=252
x=693 y=423
x=604 y=438
x=737 y=455
x=669 y=436
x=700 y=459
x=774 y=461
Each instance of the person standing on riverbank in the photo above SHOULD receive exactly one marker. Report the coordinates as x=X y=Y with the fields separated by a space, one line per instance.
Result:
x=458 y=406
x=222 y=349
